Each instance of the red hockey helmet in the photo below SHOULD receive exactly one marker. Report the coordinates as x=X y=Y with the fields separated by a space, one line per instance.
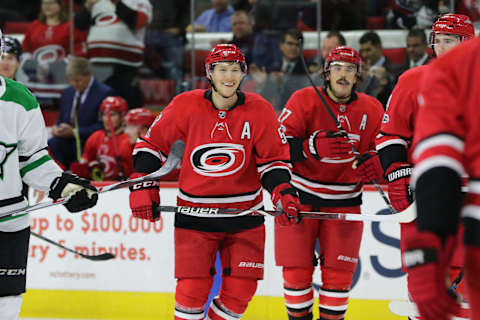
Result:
x=454 y=24
x=117 y=104
x=140 y=117
x=225 y=53
x=346 y=54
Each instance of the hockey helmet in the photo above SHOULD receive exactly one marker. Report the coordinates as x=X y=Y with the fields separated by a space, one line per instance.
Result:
x=225 y=53
x=346 y=54
x=13 y=46
x=140 y=117
x=453 y=24
x=111 y=103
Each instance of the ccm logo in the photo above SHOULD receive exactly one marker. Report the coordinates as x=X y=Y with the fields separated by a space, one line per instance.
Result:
x=12 y=272
x=144 y=185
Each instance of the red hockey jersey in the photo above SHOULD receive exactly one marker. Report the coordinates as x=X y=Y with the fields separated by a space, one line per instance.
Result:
x=399 y=119
x=226 y=152
x=331 y=181
x=100 y=149
x=448 y=123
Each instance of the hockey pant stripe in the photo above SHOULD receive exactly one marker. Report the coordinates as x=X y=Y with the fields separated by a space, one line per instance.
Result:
x=218 y=311
x=299 y=302
x=333 y=303
x=181 y=314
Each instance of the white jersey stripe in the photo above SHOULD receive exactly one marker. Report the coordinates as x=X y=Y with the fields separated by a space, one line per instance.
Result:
x=329 y=196
x=471 y=211
x=223 y=314
x=334 y=187
x=438 y=140
x=474 y=187
x=433 y=162
x=392 y=142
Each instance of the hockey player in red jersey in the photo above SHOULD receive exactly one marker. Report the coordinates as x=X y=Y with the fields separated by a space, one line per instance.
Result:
x=137 y=122
x=234 y=147
x=396 y=133
x=108 y=152
x=326 y=181
x=446 y=148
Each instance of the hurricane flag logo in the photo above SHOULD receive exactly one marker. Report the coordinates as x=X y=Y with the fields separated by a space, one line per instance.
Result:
x=218 y=159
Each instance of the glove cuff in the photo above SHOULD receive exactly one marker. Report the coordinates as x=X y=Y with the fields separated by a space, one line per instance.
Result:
x=398 y=170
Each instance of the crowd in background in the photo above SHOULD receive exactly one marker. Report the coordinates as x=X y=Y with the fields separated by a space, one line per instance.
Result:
x=118 y=42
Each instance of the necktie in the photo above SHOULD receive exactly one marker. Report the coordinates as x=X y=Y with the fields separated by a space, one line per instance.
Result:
x=76 y=128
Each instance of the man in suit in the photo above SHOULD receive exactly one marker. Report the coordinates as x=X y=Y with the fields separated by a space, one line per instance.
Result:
x=79 y=112
x=372 y=54
x=416 y=50
x=289 y=76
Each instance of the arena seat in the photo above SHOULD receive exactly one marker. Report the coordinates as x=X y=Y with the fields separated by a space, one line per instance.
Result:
x=157 y=92
x=50 y=117
x=11 y=27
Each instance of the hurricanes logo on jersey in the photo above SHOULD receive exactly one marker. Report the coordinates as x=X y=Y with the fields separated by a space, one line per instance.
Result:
x=5 y=151
x=218 y=159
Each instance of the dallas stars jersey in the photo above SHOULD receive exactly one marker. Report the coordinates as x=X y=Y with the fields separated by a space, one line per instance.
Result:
x=23 y=151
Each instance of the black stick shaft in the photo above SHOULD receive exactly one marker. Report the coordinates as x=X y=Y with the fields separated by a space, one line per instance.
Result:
x=100 y=257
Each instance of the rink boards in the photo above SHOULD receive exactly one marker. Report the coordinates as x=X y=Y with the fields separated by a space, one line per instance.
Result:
x=139 y=283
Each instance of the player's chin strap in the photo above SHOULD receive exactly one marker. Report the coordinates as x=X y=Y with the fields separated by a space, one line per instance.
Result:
x=174 y=158
x=408 y=215
x=339 y=126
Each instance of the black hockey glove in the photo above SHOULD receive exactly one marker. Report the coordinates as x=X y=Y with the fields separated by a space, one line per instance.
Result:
x=81 y=192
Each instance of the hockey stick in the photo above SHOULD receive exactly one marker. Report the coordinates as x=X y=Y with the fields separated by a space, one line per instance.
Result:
x=174 y=158
x=409 y=309
x=339 y=125
x=100 y=257
x=405 y=216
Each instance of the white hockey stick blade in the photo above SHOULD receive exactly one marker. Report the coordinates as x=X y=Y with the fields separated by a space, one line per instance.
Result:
x=174 y=158
x=403 y=308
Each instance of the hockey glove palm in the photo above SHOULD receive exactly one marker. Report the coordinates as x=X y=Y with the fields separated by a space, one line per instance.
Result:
x=330 y=144
x=399 y=191
x=144 y=199
x=82 y=195
x=285 y=198
x=426 y=259
x=369 y=167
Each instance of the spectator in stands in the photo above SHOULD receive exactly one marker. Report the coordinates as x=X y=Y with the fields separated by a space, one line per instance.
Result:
x=383 y=86
x=332 y=40
x=259 y=47
x=10 y=59
x=165 y=39
x=78 y=117
x=47 y=43
x=416 y=50
x=279 y=84
x=471 y=9
x=116 y=48
x=216 y=19
x=420 y=14
x=108 y=152
x=372 y=53
x=137 y=122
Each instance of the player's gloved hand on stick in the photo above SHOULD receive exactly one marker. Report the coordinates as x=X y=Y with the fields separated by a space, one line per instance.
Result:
x=285 y=198
x=369 y=167
x=427 y=259
x=323 y=143
x=81 y=192
x=399 y=191
x=145 y=198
